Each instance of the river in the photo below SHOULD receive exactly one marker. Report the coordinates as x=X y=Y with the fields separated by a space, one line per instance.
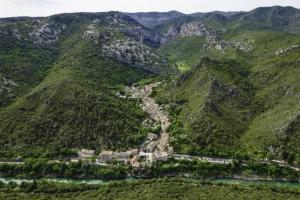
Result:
x=284 y=184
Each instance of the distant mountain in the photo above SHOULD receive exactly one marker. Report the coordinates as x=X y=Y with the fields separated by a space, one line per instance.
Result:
x=199 y=15
x=276 y=18
x=152 y=19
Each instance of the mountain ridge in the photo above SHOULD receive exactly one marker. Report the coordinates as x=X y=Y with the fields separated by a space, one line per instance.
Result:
x=62 y=81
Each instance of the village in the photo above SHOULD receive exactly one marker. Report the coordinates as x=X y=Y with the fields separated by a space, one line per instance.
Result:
x=156 y=146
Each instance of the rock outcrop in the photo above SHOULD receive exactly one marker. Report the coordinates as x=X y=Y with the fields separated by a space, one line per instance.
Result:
x=185 y=29
x=46 y=32
x=213 y=41
x=7 y=90
x=194 y=29
x=125 y=50
x=286 y=130
x=144 y=36
x=134 y=54
x=154 y=39
x=91 y=33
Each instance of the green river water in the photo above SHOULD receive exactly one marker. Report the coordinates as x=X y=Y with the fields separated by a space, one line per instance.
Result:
x=291 y=185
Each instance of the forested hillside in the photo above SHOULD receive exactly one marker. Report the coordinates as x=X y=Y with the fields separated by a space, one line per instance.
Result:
x=237 y=100
x=230 y=82
x=147 y=189
x=59 y=86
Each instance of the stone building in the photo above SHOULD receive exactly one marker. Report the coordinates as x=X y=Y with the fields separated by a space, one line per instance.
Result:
x=86 y=153
x=151 y=146
x=105 y=156
x=110 y=155
x=162 y=156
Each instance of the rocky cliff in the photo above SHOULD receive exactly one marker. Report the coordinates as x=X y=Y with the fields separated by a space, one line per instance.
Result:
x=134 y=54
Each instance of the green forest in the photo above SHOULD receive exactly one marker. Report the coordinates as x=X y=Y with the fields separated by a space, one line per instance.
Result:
x=166 y=189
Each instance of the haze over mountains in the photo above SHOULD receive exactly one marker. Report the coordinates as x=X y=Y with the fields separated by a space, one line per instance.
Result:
x=230 y=81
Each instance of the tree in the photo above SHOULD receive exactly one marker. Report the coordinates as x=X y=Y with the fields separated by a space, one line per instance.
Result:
x=28 y=186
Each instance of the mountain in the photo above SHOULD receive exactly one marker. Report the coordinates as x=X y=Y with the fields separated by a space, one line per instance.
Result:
x=230 y=81
x=152 y=19
x=60 y=76
x=275 y=18
x=235 y=99
x=200 y=15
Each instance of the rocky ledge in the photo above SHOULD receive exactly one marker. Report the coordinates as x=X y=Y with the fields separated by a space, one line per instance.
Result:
x=7 y=90
x=45 y=32
x=134 y=54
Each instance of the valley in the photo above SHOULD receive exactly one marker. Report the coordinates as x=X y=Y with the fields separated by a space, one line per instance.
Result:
x=153 y=153
x=148 y=100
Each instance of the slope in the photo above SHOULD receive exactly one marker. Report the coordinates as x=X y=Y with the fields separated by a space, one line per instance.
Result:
x=73 y=104
x=245 y=102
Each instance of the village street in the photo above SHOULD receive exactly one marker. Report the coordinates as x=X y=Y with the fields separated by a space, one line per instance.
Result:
x=155 y=112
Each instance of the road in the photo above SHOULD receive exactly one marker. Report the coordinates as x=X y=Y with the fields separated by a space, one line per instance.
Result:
x=203 y=158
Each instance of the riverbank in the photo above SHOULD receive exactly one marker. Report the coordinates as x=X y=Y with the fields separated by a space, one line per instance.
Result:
x=35 y=169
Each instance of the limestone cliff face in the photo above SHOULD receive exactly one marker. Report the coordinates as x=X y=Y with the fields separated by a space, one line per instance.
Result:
x=41 y=31
x=134 y=54
x=127 y=50
x=154 y=39
x=189 y=29
x=213 y=40
x=144 y=36
x=45 y=32
x=193 y=29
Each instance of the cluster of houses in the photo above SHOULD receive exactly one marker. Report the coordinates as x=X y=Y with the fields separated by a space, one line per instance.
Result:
x=125 y=156
x=149 y=152
x=153 y=149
